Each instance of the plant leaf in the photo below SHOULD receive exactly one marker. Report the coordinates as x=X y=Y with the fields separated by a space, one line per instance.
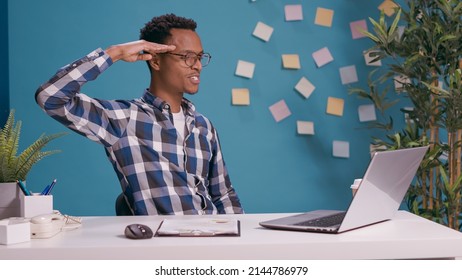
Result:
x=12 y=165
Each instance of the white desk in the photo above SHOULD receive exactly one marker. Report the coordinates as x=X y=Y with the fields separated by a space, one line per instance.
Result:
x=405 y=237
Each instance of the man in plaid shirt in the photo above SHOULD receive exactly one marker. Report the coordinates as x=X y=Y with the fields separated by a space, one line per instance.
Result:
x=167 y=156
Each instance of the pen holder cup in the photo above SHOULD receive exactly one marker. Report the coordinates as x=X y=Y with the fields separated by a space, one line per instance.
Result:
x=35 y=204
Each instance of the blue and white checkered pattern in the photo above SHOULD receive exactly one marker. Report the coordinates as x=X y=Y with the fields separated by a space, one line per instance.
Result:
x=158 y=172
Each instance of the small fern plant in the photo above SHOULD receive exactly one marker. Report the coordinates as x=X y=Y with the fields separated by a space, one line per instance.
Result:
x=14 y=166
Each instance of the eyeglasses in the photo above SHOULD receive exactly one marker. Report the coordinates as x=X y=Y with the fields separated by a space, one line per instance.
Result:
x=190 y=58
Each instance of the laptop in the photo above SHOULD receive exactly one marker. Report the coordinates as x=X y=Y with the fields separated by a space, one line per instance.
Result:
x=377 y=199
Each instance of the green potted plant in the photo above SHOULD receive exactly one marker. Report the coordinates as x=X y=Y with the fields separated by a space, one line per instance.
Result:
x=15 y=166
x=424 y=60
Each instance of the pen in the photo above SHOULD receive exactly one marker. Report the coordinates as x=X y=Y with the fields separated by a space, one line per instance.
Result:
x=51 y=187
x=45 y=190
x=23 y=188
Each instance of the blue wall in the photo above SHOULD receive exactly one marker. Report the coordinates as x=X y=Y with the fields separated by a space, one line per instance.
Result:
x=272 y=168
x=4 y=81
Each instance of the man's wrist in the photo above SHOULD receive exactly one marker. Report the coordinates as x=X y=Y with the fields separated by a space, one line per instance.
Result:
x=100 y=58
x=113 y=53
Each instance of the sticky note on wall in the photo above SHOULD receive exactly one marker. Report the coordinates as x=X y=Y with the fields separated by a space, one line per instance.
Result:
x=293 y=12
x=305 y=128
x=322 y=57
x=341 y=149
x=388 y=7
x=400 y=83
x=240 y=96
x=291 y=61
x=305 y=87
x=368 y=58
x=335 y=106
x=263 y=31
x=367 y=113
x=356 y=28
x=245 y=69
x=348 y=74
x=279 y=110
x=407 y=117
x=324 y=17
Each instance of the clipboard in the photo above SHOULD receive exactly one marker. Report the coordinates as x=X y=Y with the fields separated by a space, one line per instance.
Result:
x=209 y=227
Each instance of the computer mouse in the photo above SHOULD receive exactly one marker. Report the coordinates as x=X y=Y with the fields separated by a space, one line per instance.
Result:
x=138 y=231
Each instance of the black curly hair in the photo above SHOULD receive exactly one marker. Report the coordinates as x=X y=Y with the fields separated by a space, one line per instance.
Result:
x=158 y=29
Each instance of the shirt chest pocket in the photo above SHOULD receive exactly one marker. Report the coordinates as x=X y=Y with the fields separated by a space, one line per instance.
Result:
x=199 y=151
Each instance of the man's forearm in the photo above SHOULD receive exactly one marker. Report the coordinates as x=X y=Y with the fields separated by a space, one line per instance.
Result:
x=60 y=89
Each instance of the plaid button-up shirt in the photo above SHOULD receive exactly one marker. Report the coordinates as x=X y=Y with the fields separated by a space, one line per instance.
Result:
x=158 y=171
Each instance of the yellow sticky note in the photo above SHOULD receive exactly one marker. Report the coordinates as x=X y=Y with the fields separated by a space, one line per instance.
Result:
x=388 y=7
x=240 y=96
x=324 y=17
x=335 y=106
x=291 y=61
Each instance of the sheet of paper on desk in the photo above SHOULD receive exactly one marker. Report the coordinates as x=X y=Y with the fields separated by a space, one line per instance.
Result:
x=198 y=227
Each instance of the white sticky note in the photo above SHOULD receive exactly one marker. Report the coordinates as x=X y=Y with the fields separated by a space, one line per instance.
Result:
x=291 y=61
x=348 y=74
x=293 y=12
x=401 y=30
x=407 y=118
x=279 y=110
x=400 y=81
x=356 y=27
x=341 y=149
x=305 y=127
x=305 y=87
x=322 y=57
x=367 y=113
x=245 y=69
x=263 y=31
x=240 y=96
x=368 y=59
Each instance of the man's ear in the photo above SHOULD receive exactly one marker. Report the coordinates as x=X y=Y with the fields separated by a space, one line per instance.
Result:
x=154 y=62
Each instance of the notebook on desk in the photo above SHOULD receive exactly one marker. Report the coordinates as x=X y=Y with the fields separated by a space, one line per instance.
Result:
x=377 y=199
x=199 y=226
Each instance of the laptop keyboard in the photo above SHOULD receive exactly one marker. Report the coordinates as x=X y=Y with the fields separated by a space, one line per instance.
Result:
x=327 y=221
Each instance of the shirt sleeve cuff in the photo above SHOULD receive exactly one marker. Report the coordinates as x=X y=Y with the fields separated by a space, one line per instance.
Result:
x=100 y=58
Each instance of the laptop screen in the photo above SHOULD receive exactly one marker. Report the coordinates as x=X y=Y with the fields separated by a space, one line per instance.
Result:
x=383 y=187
